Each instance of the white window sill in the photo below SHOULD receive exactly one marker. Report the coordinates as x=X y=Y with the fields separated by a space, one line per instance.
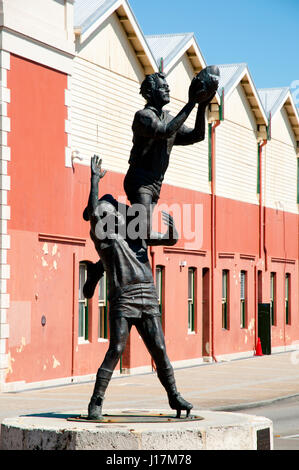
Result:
x=102 y=340
x=83 y=341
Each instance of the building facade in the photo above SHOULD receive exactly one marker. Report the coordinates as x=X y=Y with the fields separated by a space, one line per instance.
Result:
x=70 y=80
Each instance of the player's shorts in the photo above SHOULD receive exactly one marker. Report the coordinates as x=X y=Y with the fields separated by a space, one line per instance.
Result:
x=136 y=301
x=139 y=181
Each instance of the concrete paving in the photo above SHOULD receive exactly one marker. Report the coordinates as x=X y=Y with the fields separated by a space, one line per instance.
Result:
x=223 y=386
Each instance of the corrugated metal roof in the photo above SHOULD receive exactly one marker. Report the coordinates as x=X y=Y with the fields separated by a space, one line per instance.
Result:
x=86 y=12
x=272 y=98
x=167 y=45
x=229 y=74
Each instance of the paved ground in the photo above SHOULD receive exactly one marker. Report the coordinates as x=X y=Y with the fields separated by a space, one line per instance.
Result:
x=217 y=386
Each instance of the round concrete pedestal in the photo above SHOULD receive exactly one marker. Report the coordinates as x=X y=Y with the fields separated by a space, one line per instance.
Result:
x=216 y=431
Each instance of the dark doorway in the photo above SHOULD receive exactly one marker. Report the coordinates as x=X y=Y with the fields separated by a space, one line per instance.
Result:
x=264 y=327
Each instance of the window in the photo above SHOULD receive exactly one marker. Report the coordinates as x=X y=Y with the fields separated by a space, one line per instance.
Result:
x=273 y=298
x=83 y=304
x=159 y=286
x=287 y=298
x=243 y=299
x=102 y=309
x=191 y=299
x=225 y=288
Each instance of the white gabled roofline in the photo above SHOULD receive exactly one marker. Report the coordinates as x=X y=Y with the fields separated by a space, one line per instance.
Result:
x=93 y=26
x=289 y=98
x=237 y=78
x=285 y=98
x=139 y=34
x=256 y=95
x=181 y=52
x=294 y=107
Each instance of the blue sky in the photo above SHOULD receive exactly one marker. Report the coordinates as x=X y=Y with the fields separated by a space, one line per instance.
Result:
x=262 y=33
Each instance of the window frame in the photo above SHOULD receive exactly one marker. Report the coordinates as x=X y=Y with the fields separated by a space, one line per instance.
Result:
x=225 y=300
x=83 y=306
x=191 y=300
x=243 y=299
x=160 y=275
x=102 y=310
x=273 y=295
x=287 y=289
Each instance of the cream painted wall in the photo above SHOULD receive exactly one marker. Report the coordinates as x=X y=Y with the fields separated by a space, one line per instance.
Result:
x=103 y=108
x=109 y=47
x=52 y=24
x=281 y=128
x=189 y=165
x=236 y=162
x=237 y=109
x=179 y=78
x=236 y=150
x=280 y=166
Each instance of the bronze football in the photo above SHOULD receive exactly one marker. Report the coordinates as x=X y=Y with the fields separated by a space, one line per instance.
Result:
x=206 y=82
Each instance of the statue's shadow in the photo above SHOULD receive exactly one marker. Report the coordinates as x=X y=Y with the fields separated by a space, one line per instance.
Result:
x=50 y=414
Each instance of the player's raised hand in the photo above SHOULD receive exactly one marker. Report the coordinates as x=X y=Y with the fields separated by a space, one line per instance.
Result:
x=96 y=167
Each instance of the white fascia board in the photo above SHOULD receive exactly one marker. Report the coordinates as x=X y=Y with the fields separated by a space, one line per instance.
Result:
x=140 y=36
x=279 y=104
x=99 y=21
x=199 y=54
x=236 y=82
x=31 y=49
x=256 y=95
x=295 y=110
x=233 y=84
x=177 y=57
x=289 y=96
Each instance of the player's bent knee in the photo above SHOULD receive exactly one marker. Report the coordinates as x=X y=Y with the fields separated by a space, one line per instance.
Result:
x=116 y=351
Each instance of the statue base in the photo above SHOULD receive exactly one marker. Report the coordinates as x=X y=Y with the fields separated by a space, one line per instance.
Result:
x=137 y=430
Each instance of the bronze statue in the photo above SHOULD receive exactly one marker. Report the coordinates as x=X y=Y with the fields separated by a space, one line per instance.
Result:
x=155 y=132
x=131 y=292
